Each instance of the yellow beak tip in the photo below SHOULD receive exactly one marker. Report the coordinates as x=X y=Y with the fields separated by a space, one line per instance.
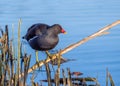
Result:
x=65 y=32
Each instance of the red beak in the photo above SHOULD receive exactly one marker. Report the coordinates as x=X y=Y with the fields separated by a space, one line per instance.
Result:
x=63 y=31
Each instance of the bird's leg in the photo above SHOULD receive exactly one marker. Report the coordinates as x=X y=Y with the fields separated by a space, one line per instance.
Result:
x=36 y=54
x=37 y=60
x=50 y=56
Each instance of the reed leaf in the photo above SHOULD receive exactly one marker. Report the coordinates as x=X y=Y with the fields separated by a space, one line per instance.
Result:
x=18 y=58
x=48 y=73
x=111 y=80
x=26 y=67
x=69 y=80
x=64 y=78
x=107 y=76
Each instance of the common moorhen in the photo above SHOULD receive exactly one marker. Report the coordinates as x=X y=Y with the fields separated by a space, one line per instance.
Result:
x=35 y=30
x=43 y=37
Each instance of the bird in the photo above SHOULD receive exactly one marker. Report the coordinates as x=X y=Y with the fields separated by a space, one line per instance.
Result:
x=43 y=37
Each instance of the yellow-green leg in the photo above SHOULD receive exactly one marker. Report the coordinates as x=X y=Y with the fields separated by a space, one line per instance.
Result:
x=36 y=54
x=48 y=54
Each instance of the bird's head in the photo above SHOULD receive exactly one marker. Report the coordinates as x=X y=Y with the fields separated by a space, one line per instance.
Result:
x=58 y=29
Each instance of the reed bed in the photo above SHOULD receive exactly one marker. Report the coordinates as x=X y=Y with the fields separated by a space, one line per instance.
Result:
x=15 y=66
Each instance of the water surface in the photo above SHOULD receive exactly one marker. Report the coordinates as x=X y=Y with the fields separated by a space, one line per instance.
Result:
x=79 y=18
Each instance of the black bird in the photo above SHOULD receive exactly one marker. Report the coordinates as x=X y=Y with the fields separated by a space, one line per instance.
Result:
x=35 y=30
x=43 y=37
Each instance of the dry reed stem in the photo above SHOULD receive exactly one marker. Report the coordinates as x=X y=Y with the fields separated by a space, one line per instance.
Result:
x=74 y=45
x=18 y=59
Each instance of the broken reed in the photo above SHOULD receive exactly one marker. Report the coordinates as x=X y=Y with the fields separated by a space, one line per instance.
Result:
x=10 y=68
x=9 y=72
x=18 y=59
x=10 y=75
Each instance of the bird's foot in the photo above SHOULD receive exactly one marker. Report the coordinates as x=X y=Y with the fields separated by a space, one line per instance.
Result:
x=37 y=61
x=59 y=59
x=49 y=55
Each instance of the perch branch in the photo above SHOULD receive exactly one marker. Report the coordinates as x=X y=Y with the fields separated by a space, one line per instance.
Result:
x=74 y=45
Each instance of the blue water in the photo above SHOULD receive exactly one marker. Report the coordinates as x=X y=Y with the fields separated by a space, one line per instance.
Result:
x=80 y=18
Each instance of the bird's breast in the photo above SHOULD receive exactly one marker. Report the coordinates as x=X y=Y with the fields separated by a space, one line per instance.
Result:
x=43 y=43
x=52 y=40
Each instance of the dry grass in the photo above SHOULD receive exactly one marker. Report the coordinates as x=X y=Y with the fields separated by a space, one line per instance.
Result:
x=14 y=67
